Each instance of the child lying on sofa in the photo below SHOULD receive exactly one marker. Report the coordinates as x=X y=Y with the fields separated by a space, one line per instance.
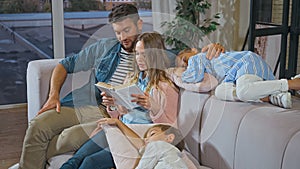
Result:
x=244 y=76
x=160 y=147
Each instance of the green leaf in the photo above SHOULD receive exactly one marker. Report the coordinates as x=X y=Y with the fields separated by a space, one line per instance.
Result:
x=187 y=12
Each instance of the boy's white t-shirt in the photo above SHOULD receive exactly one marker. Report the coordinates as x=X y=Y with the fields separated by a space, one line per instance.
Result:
x=161 y=155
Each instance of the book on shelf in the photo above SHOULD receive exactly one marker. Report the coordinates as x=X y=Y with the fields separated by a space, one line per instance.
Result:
x=121 y=93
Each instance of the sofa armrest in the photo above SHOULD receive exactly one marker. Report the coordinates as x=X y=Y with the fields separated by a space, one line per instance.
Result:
x=190 y=112
x=38 y=80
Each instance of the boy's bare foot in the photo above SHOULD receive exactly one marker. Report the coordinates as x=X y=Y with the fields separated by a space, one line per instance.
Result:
x=294 y=83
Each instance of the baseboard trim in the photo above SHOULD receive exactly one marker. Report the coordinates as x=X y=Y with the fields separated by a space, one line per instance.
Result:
x=11 y=106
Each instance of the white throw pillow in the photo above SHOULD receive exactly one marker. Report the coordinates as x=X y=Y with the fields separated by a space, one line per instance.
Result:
x=123 y=152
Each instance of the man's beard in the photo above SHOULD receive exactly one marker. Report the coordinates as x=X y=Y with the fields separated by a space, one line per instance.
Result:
x=132 y=41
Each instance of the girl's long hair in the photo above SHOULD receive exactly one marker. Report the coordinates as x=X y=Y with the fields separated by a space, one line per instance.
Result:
x=156 y=59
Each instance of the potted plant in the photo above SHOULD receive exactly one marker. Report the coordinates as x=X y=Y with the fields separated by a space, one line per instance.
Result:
x=186 y=29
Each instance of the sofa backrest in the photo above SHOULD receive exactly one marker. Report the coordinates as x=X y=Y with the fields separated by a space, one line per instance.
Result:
x=239 y=135
x=189 y=118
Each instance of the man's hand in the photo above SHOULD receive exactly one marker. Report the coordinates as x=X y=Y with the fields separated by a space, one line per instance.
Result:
x=213 y=50
x=50 y=104
x=57 y=79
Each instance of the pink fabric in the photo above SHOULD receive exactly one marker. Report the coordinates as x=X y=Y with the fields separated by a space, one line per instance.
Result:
x=168 y=97
x=208 y=83
x=166 y=112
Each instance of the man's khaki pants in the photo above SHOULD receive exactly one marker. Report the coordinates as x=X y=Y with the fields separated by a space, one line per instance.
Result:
x=52 y=133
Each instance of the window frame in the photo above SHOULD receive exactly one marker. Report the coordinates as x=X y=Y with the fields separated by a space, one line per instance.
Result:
x=58 y=29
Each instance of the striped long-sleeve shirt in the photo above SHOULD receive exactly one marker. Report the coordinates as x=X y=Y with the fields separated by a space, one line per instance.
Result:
x=124 y=67
x=228 y=67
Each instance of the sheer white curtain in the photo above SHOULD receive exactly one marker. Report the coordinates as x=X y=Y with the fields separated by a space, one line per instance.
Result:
x=234 y=22
x=162 y=10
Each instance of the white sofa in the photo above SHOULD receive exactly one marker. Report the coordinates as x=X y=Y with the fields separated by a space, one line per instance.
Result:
x=220 y=134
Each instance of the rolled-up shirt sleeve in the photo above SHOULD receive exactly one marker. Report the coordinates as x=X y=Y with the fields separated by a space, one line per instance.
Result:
x=195 y=70
x=84 y=60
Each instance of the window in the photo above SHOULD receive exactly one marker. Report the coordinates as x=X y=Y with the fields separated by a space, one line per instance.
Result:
x=26 y=35
x=276 y=17
x=85 y=24
x=265 y=10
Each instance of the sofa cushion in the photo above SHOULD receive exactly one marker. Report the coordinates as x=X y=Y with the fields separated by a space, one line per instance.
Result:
x=219 y=128
x=189 y=118
x=249 y=135
x=264 y=145
x=292 y=153
x=57 y=161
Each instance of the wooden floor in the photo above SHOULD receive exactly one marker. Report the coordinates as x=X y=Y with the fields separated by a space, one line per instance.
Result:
x=13 y=124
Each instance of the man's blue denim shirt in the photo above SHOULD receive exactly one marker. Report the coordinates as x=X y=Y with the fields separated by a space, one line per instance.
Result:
x=101 y=58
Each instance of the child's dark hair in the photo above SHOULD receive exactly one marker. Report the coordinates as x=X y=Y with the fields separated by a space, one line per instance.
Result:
x=178 y=140
x=123 y=11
